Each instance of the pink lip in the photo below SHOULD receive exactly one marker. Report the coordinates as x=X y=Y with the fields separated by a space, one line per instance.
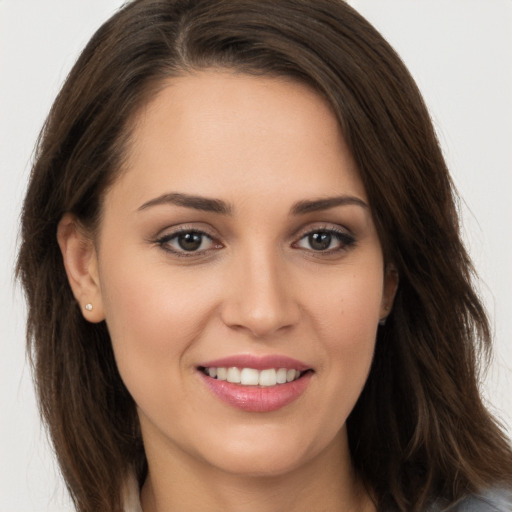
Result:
x=257 y=362
x=256 y=398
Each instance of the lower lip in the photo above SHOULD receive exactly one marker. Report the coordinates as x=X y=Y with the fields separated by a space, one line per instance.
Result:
x=255 y=398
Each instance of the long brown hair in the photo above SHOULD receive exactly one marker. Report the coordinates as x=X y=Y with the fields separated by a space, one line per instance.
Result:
x=419 y=430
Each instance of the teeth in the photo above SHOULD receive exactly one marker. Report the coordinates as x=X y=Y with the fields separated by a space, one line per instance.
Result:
x=249 y=377
x=252 y=377
x=281 y=375
x=233 y=375
x=290 y=375
x=268 y=377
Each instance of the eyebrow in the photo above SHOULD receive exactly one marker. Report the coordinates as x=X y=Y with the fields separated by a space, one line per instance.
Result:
x=204 y=204
x=308 y=206
x=217 y=206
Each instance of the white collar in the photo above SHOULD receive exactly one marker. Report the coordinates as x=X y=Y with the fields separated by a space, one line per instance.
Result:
x=131 y=495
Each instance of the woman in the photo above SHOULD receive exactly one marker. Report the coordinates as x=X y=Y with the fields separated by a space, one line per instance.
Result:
x=257 y=296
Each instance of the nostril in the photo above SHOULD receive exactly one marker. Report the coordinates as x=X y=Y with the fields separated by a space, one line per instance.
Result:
x=259 y=322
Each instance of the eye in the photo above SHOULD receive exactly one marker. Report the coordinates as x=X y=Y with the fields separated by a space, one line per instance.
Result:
x=326 y=240
x=187 y=242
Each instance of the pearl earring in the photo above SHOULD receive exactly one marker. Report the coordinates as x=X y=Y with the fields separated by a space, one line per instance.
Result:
x=88 y=307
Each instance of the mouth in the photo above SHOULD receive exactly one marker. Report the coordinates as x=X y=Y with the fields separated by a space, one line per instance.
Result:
x=256 y=384
x=267 y=377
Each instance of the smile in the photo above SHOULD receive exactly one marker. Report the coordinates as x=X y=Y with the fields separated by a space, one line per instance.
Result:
x=256 y=383
x=251 y=377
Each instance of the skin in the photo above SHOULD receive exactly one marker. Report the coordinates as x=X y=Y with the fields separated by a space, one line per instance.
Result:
x=256 y=285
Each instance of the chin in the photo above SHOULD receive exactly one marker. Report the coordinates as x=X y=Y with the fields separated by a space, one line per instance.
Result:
x=261 y=466
x=270 y=455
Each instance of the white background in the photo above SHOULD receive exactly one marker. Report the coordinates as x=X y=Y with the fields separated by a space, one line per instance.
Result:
x=459 y=51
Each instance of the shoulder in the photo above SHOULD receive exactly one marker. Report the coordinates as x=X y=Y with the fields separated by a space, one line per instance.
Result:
x=491 y=500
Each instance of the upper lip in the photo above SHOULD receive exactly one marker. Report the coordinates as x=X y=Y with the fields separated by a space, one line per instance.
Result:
x=257 y=362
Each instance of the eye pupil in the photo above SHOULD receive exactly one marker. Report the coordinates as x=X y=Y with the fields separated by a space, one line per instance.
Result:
x=320 y=241
x=190 y=241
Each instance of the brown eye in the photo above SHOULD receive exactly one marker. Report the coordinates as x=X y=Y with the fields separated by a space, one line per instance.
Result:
x=320 y=241
x=189 y=241
x=326 y=240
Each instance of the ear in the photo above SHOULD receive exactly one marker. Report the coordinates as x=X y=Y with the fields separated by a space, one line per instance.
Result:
x=81 y=264
x=389 y=291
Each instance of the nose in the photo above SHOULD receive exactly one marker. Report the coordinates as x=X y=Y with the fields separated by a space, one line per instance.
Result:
x=260 y=299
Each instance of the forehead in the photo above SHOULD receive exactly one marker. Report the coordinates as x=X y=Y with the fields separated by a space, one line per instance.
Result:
x=222 y=134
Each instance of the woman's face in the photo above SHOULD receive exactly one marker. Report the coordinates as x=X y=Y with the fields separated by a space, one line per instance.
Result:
x=240 y=236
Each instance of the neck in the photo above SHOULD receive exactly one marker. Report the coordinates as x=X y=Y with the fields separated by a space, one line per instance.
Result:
x=327 y=482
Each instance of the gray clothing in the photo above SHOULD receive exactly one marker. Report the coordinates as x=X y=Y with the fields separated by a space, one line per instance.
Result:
x=493 y=500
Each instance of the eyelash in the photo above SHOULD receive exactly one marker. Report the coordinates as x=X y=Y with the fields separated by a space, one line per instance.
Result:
x=165 y=240
x=345 y=240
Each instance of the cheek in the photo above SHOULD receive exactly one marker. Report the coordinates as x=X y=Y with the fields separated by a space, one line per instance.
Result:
x=349 y=311
x=152 y=326
x=152 y=317
x=347 y=320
